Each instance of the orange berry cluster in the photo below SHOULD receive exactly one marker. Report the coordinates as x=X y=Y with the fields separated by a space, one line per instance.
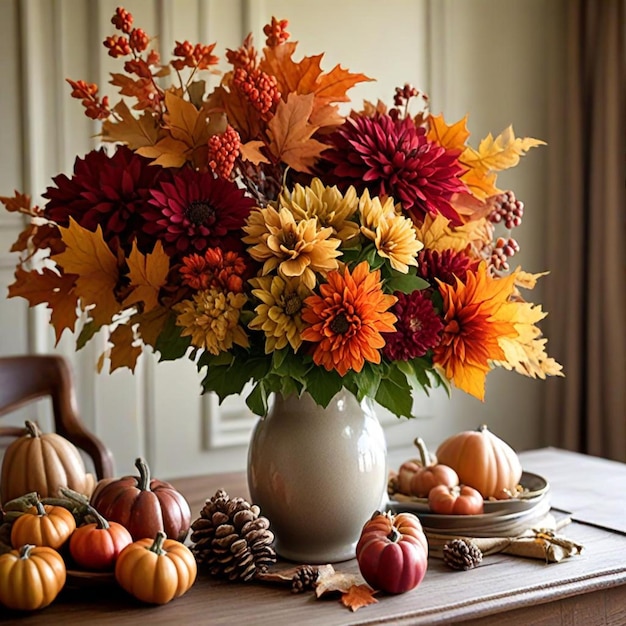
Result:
x=245 y=56
x=223 y=151
x=260 y=89
x=95 y=108
x=199 y=57
x=276 y=32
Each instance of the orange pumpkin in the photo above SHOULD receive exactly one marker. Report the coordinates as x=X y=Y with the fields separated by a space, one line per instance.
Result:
x=43 y=463
x=428 y=474
x=483 y=461
x=43 y=525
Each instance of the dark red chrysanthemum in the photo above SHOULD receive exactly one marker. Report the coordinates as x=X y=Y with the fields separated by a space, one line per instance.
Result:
x=444 y=265
x=394 y=157
x=110 y=191
x=418 y=328
x=191 y=211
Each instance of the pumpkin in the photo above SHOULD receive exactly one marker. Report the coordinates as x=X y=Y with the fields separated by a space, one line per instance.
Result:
x=42 y=463
x=43 y=525
x=483 y=461
x=421 y=478
x=461 y=500
x=143 y=505
x=392 y=552
x=44 y=570
x=156 y=570
x=96 y=546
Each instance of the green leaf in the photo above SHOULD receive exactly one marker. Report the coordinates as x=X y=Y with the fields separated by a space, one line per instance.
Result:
x=257 y=399
x=169 y=344
x=87 y=332
x=367 y=382
x=406 y=283
x=323 y=385
x=395 y=397
x=225 y=380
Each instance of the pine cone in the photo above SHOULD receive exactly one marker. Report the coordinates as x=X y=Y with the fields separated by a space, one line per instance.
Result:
x=232 y=538
x=304 y=579
x=461 y=554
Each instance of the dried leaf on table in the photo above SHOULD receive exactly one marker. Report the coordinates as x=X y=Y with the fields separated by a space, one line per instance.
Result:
x=358 y=596
x=544 y=544
x=329 y=581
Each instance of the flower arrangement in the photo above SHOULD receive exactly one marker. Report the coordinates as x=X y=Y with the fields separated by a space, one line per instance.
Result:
x=276 y=242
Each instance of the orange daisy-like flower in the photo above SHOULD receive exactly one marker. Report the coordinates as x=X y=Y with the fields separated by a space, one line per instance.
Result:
x=477 y=314
x=347 y=319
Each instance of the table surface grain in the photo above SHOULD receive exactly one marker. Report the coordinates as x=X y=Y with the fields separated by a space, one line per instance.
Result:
x=588 y=589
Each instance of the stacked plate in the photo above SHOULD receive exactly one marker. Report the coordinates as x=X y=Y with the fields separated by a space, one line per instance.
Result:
x=501 y=518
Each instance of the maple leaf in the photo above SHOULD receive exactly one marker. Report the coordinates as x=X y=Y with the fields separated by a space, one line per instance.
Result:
x=147 y=273
x=290 y=133
x=150 y=325
x=20 y=203
x=167 y=152
x=125 y=351
x=451 y=137
x=88 y=256
x=437 y=234
x=134 y=132
x=50 y=288
x=500 y=153
x=251 y=151
x=358 y=596
x=329 y=581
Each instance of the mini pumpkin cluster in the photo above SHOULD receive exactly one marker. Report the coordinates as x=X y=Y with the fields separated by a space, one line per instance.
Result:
x=132 y=527
x=467 y=469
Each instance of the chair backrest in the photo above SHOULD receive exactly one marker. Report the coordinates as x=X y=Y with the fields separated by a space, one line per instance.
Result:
x=24 y=379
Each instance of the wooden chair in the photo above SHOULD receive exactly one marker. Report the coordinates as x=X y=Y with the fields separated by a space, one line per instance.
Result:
x=24 y=379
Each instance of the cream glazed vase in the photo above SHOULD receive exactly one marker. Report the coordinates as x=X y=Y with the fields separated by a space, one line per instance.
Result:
x=318 y=474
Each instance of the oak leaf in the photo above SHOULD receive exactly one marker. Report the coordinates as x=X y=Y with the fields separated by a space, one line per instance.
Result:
x=135 y=132
x=50 y=288
x=291 y=134
x=88 y=256
x=124 y=351
x=358 y=596
x=147 y=273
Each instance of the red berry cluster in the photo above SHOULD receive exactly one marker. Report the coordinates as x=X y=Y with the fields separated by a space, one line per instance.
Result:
x=95 y=108
x=122 y=20
x=276 y=32
x=197 y=57
x=223 y=151
x=502 y=251
x=507 y=208
x=121 y=45
x=401 y=99
x=260 y=89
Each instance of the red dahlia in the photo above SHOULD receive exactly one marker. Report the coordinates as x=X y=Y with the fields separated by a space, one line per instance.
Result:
x=110 y=191
x=444 y=265
x=191 y=211
x=394 y=158
x=418 y=328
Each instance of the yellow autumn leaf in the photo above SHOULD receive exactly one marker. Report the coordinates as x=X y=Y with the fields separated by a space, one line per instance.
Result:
x=147 y=273
x=134 y=132
x=437 y=234
x=88 y=256
x=167 y=152
x=452 y=137
x=500 y=153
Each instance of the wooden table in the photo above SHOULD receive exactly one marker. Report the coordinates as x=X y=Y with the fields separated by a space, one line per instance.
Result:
x=585 y=590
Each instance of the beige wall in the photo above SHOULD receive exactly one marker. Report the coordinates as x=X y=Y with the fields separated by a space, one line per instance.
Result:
x=492 y=59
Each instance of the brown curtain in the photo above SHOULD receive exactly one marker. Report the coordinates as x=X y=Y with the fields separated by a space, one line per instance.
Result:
x=586 y=236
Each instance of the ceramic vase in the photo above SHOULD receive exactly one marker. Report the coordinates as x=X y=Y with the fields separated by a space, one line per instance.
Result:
x=318 y=474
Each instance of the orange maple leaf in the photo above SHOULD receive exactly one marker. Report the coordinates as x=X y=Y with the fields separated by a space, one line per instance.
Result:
x=451 y=137
x=20 y=203
x=125 y=349
x=251 y=151
x=88 y=256
x=290 y=133
x=147 y=273
x=134 y=132
x=54 y=290
x=358 y=596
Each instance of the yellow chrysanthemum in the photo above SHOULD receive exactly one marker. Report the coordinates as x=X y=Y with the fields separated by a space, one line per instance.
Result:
x=294 y=248
x=278 y=315
x=393 y=234
x=477 y=316
x=211 y=319
x=327 y=204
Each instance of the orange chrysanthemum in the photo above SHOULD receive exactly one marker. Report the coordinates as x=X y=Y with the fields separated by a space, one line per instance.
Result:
x=347 y=319
x=476 y=315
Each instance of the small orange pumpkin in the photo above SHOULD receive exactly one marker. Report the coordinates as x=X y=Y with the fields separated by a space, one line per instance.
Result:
x=44 y=570
x=483 y=461
x=43 y=463
x=427 y=474
x=43 y=525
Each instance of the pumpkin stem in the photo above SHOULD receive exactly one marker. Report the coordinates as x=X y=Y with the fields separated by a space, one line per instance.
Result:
x=101 y=522
x=79 y=498
x=423 y=450
x=144 y=475
x=482 y=428
x=33 y=429
x=41 y=510
x=157 y=544
x=394 y=535
x=25 y=550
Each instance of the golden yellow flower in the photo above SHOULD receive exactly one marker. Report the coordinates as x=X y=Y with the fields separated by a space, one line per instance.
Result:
x=278 y=315
x=328 y=204
x=294 y=248
x=211 y=319
x=393 y=234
